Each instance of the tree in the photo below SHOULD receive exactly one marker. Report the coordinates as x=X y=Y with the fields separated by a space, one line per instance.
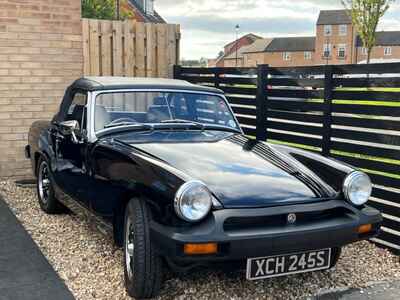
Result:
x=105 y=9
x=366 y=15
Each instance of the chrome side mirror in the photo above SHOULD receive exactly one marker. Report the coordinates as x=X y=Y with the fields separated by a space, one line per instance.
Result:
x=71 y=128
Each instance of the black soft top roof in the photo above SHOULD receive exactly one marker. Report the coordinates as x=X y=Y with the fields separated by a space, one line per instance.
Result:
x=119 y=83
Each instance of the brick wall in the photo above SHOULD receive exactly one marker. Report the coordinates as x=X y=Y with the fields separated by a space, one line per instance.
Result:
x=378 y=53
x=40 y=54
x=253 y=59
x=335 y=40
x=275 y=59
x=233 y=63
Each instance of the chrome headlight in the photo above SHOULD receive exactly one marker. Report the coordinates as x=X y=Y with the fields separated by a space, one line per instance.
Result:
x=357 y=188
x=193 y=201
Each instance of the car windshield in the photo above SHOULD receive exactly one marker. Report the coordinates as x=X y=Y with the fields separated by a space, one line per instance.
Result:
x=135 y=108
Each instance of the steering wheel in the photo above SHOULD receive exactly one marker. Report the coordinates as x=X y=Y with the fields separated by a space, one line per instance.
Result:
x=123 y=120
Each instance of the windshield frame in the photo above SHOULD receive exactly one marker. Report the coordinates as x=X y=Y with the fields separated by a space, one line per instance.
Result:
x=93 y=135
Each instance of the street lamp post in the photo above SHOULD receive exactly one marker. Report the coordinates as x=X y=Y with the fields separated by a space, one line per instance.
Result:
x=237 y=27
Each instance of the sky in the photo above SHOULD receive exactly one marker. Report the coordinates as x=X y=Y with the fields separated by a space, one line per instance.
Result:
x=207 y=25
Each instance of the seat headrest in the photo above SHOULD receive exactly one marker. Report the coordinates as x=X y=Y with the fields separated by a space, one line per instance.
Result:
x=160 y=101
x=158 y=113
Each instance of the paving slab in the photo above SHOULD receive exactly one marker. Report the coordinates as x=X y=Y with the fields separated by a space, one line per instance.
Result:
x=24 y=271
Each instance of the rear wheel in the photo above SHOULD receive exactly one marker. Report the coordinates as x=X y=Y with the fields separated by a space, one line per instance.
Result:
x=142 y=266
x=45 y=191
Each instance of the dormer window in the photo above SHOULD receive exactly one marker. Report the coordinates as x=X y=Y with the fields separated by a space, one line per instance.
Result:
x=149 y=9
x=328 y=30
x=147 y=6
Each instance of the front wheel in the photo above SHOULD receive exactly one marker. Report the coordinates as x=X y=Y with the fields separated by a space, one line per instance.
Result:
x=142 y=266
x=45 y=191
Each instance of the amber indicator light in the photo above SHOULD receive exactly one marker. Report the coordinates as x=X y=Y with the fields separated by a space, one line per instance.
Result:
x=364 y=228
x=198 y=249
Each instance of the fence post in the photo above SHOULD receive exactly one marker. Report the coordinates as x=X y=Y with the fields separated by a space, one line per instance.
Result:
x=217 y=75
x=177 y=71
x=261 y=102
x=328 y=95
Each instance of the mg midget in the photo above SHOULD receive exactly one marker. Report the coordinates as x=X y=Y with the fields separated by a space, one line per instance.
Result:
x=165 y=167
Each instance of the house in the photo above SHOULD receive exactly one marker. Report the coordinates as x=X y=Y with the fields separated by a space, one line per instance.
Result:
x=144 y=11
x=290 y=51
x=387 y=48
x=254 y=54
x=236 y=58
x=336 y=42
x=233 y=48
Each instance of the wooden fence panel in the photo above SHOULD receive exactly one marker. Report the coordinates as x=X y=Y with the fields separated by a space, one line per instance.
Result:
x=349 y=112
x=128 y=48
x=94 y=47
x=106 y=49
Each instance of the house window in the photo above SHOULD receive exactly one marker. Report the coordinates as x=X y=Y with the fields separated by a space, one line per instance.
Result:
x=364 y=51
x=307 y=55
x=387 y=51
x=342 y=51
x=327 y=50
x=149 y=7
x=286 y=56
x=343 y=30
x=328 y=30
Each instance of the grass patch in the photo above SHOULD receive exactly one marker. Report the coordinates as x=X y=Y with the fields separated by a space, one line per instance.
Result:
x=367 y=157
x=374 y=89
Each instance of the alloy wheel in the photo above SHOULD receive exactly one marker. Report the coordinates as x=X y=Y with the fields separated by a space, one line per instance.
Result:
x=44 y=182
x=129 y=247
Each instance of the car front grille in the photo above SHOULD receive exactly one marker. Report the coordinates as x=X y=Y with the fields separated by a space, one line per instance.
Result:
x=281 y=220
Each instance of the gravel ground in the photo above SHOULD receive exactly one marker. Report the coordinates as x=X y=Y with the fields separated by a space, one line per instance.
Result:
x=91 y=265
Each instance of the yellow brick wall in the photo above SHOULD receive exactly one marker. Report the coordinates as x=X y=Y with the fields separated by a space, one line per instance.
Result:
x=40 y=54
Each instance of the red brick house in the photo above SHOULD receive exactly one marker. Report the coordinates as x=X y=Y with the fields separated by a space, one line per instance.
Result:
x=232 y=48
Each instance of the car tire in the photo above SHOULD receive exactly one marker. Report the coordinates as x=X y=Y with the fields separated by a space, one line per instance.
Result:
x=45 y=190
x=142 y=265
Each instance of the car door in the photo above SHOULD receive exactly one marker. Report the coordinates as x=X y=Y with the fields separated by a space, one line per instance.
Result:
x=70 y=156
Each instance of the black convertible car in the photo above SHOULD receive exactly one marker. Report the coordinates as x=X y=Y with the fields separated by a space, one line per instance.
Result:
x=164 y=166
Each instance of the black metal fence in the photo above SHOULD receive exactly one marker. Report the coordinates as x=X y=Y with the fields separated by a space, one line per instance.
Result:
x=349 y=112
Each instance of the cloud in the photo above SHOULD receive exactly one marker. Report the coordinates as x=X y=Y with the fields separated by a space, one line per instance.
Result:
x=207 y=25
x=218 y=24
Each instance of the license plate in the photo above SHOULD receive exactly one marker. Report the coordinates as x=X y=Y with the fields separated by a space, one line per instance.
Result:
x=275 y=266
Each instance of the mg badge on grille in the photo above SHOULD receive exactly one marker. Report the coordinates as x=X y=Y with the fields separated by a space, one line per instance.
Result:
x=291 y=218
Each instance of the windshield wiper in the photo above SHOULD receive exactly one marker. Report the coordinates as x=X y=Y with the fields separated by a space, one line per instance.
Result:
x=130 y=125
x=120 y=124
x=203 y=126
x=182 y=121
